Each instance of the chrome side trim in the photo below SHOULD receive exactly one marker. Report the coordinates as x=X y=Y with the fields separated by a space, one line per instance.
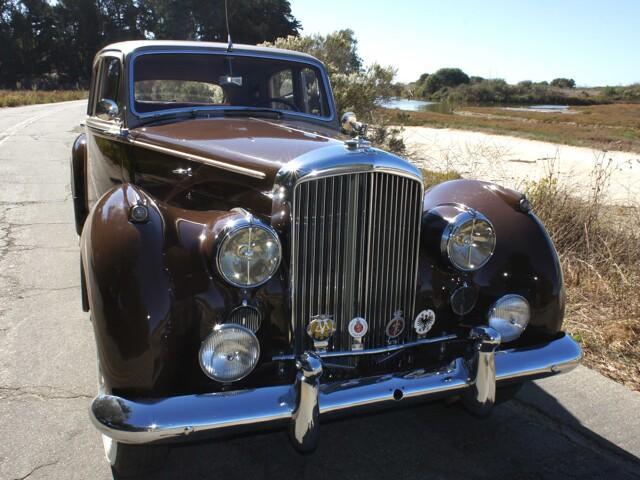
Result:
x=372 y=351
x=197 y=158
x=144 y=421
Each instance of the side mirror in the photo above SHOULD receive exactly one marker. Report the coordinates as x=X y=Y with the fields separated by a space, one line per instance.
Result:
x=107 y=109
x=351 y=126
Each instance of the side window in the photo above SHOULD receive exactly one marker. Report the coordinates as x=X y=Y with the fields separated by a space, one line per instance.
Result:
x=107 y=101
x=281 y=87
x=312 y=98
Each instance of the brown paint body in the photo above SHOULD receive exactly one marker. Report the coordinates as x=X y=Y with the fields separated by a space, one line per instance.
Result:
x=153 y=288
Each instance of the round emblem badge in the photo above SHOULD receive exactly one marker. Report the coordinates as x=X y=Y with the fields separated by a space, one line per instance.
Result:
x=358 y=327
x=396 y=326
x=321 y=328
x=424 y=322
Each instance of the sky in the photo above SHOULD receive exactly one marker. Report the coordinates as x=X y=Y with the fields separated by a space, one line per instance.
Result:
x=595 y=42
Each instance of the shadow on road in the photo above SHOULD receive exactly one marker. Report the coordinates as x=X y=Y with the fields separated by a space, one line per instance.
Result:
x=431 y=441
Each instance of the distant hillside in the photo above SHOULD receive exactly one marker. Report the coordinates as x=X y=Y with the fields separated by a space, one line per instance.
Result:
x=455 y=86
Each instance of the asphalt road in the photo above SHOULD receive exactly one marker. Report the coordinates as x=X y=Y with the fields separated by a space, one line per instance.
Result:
x=581 y=426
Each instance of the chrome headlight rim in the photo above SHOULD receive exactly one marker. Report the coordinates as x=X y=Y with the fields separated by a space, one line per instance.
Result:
x=229 y=326
x=246 y=222
x=466 y=215
x=496 y=304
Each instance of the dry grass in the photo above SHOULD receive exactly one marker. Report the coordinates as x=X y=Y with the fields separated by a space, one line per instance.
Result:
x=599 y=248
x=431 y=177
x=16 y=98
x=604 y=127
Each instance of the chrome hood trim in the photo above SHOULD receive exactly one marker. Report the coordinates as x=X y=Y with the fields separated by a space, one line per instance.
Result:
x=333 y=159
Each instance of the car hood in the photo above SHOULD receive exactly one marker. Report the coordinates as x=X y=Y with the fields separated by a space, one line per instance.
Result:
x=256 y=144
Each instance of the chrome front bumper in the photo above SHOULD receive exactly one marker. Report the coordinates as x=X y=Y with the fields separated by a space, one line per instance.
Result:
x=300 y=405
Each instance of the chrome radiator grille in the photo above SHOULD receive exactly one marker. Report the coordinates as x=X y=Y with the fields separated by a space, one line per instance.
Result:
x=354 y=254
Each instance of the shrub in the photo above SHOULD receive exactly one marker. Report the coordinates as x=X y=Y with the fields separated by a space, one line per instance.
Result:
x=445 y=77
x=563 y=82
x=355 y=87
x=16 y=98
x=431 y=178
x=599 y=248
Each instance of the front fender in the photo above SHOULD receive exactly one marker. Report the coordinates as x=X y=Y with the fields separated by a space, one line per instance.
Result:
x=155 y=295
x=128 y=287
x=524 y=261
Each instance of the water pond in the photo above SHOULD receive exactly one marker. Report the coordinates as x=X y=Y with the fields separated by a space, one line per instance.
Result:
x=425 y=106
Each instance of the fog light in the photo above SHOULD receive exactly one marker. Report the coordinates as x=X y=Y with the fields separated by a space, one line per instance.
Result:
x=230 y=353
x=510 y=316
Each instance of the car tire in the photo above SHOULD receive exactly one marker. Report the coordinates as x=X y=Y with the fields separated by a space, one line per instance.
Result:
x=127 y=460
x=133 y=460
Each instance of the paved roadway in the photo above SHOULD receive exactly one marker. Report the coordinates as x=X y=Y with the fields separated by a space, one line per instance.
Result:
x=580 y=425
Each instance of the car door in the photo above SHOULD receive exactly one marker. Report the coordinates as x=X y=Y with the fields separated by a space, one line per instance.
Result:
x=106 y=147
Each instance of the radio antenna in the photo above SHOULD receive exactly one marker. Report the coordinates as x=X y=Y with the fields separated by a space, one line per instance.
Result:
x=226 y=16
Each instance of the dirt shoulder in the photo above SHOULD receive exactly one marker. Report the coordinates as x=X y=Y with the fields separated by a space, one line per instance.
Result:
x=512 y=161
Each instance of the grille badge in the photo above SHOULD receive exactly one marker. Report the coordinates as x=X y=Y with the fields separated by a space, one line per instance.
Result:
x=424 y=322
x=358 y=327
x=396 y=326
x=320 y=329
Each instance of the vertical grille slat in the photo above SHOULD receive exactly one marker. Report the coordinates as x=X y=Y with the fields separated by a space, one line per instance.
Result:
x=354 y=253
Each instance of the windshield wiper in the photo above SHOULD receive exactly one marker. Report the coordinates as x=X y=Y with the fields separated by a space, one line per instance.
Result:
x=163 y=116
x=252 y=112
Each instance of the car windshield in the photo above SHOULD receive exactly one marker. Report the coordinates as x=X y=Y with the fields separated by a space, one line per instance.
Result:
x=169 y=81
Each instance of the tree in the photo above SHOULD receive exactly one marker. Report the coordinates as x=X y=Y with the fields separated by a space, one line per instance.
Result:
x=52 y=44
x=355 y=87
x=338 y=50
x=445 y=77
x=563 y=82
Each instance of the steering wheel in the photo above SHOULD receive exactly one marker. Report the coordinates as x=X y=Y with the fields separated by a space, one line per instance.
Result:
x=277 y=100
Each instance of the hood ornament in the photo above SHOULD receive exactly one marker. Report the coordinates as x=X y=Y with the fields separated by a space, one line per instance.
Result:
x=357 y=130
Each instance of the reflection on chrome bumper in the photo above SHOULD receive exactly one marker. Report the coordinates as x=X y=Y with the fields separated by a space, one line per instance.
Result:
x=300 y=405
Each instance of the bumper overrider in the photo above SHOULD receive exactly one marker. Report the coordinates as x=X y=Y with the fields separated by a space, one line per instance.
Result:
x=302 y=404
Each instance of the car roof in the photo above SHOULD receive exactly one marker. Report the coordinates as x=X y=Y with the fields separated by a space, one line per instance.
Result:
x=132 y=46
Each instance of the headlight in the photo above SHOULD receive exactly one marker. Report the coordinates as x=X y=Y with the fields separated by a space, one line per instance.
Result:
x=230 y=353
x=249 y=253
x=510 y=316
x=469 y=240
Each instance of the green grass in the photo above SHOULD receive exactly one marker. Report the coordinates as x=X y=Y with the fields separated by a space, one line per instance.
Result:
x=16 y=98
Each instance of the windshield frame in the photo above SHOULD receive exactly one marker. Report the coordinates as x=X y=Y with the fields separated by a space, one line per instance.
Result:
x=235 y=53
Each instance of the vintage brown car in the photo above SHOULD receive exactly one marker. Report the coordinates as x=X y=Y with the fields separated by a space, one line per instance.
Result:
x=248 y=265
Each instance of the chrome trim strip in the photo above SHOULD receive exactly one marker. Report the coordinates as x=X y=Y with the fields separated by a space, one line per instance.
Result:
x=357 y=168
x=149 y=420
x=197 y=158
x=372 y=351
